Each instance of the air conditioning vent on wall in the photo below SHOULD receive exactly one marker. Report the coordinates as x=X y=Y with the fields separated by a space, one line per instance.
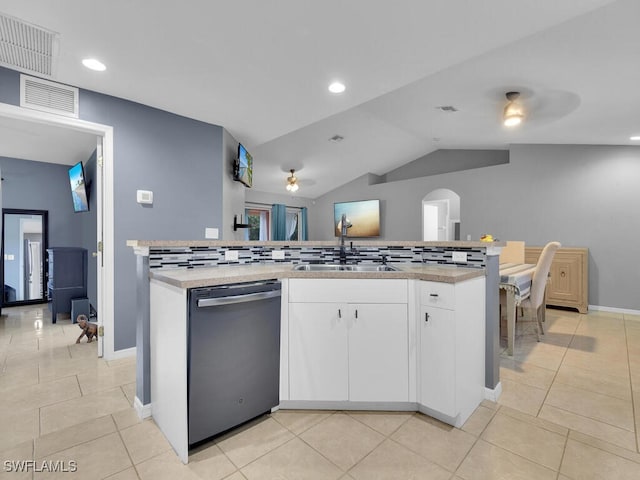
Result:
x=47 y=96
x=27 y=47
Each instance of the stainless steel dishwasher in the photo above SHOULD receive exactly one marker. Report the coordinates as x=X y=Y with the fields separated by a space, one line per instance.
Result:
x=234 y=355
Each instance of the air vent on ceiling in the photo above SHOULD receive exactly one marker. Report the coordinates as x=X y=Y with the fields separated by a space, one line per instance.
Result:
x=47 y=96
x=447 y=108
x=27 y=47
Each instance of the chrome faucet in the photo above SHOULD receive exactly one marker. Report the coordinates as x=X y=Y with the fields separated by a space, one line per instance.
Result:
x=344 y=225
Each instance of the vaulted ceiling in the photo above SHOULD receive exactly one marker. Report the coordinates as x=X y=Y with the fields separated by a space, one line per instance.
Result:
x=261 y=70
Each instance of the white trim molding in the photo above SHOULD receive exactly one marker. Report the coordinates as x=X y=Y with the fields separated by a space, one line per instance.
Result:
x=601 y=308
x=143 y=411
x=125 y=353
x=493 y=394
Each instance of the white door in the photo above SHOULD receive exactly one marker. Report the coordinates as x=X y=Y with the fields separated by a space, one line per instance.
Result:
x=99 y=247
x=378 y=353
x=435 y=220
x=318 y=357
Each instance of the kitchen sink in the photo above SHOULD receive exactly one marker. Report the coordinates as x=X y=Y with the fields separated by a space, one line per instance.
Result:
x=372 y=268
x=332 y=267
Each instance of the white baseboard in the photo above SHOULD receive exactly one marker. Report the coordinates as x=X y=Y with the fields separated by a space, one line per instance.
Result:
x=126 y=353
x=493 y=394
x=601 y=308
x=143 y=411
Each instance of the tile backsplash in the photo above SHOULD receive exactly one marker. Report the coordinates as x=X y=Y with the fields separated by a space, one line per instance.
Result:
x=195 y=257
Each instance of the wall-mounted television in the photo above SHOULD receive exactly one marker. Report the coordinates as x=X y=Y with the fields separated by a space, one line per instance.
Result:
x=78 y=188
x=244 y=167
x=364 y=216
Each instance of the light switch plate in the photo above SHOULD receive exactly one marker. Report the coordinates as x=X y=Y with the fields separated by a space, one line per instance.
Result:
x=211 y=233
x=460 y=257
x=230 y=255
x=277 y=254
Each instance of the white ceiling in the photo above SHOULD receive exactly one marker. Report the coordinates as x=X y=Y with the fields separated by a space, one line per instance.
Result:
x=261 y=70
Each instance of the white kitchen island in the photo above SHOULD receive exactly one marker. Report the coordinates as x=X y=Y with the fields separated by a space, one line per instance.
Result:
x=413 y=339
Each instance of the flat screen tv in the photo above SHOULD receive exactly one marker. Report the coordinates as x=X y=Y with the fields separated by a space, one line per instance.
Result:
x=78 y=188
x=244 y=166
x=364 y=216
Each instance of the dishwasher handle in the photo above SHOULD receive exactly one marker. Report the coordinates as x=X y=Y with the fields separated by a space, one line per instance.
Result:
x=251 y=297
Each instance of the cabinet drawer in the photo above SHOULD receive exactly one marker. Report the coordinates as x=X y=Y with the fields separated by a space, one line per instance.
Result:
x=343 y=290
x=437 y=294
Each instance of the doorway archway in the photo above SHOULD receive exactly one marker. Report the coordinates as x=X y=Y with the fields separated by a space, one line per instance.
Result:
x=105 y=221
x=441 y=215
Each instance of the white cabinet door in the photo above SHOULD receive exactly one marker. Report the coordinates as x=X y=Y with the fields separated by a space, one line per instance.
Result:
x=378 y=353
x=318 y=355
x=438 y=360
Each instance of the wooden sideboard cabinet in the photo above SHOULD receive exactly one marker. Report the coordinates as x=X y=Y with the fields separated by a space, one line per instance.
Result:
x=569 y=277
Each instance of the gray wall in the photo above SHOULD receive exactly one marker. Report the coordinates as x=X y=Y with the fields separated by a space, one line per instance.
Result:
x=447 y=161
x=34 y=185
x=583 y=196
x=233 y=192
x=178 y=158
x=37 y=185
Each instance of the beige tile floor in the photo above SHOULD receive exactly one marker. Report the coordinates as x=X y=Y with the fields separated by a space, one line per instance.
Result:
x=568 y=411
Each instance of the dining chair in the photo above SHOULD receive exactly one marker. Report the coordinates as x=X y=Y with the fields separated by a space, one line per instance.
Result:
x=535 y=302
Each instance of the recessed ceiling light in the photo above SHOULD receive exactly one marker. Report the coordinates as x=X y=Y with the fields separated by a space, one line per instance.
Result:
x=93 y=64
x=635 y=138
x=337 y=87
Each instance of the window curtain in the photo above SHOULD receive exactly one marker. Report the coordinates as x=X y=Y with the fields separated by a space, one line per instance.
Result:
x=264 y=228
x=279 y=222
x=292 y=223
x=303 y=232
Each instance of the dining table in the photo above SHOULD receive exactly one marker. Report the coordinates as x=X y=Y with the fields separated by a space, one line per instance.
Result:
x=515 y=281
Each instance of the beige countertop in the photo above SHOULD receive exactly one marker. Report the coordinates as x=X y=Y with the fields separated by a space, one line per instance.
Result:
x=310 y=243
x=210 y=276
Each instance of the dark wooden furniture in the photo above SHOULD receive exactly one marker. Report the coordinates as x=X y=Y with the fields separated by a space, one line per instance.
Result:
x=67 y=278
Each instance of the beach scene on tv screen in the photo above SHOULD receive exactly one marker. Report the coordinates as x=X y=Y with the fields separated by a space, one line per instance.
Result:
x=364 y=217
x=78 y=191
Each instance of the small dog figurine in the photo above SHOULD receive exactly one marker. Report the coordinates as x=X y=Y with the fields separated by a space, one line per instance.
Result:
x=88 y=329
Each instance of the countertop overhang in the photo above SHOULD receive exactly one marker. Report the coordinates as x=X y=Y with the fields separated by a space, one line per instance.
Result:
x=211 y=276
x=311 y=243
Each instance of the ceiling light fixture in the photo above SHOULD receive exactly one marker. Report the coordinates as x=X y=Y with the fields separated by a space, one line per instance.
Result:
x=513 y=112
x=292 y=182
x=337 y=87
x=93 y=64
x=635 y=138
